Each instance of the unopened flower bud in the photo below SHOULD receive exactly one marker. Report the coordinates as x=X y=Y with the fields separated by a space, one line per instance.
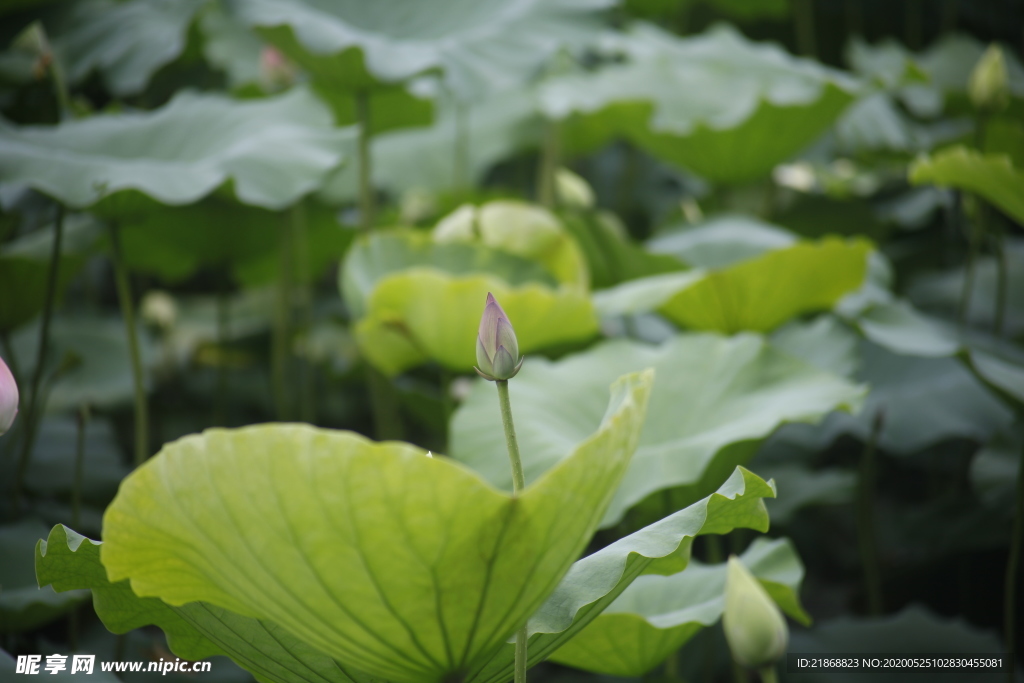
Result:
x=497 y=349
x=572 y=190
x=8 y=397
x=754 y=626
x=989 y=85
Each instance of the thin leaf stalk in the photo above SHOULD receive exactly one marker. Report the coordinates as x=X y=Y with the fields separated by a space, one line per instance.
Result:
x=220 y=410
x=281 y=332
x=1013 y=573
x=387 y=419
x=366 y=197
x=303 y=285
x=549 y=160
x=518 y=484
x=81 y=423
x=34 y=404
x=124 y=296
x=768 y=674
x=460 y=165
x=866 y=535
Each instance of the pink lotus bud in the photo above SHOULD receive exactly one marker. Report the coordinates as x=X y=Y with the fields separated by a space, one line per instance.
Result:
x=8 y=397
x=497 y=350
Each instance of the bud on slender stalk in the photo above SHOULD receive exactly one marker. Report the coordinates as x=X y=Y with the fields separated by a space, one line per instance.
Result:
x=989 y=85
x=8 y=397
x=754 y=626
x=497 y=349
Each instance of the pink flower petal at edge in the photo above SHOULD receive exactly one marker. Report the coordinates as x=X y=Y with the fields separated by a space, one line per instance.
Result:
x=8 y=397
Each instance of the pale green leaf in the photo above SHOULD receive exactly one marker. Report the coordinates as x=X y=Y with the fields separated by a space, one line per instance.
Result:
x=425 y=314
x=478 y=46
x=595 y=581
x=406 y=566
x=758 y=105
x=270 y=152
x=756 y=294
x=490 y=131
x=656 y=615
x=69 y=561
x=715 y=398
x=992 y=176
x=127 y=42
x=721 y=241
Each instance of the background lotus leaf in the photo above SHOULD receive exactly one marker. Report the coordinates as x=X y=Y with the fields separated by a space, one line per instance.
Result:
x=714 y=395
x=746 y=90
x=993 y=176
x=273 y=151
x=758 y=294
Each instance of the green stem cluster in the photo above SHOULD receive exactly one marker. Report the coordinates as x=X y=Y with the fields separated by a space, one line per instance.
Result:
x=518 y=484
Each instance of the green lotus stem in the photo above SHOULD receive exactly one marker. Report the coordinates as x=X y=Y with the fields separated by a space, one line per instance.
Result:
x=280 y=341
x=76 y=489
x=460 y=166
x=366 y=198
x=124 y=296
x=803 y=26
x=300 y=238
x=518 y=484
x=768 y=675
x=549 y=160
x=713 y=548
x=34 y=404
x=866 y=519
x=386 y=418
x=223 y=313
x=1013 y=572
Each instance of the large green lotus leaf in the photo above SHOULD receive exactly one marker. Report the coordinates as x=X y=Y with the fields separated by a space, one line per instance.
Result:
x=69 y=561
x=408 y=567
x=478 y=46
x=594 y=582
x=492 y=130
x=426 y=314
x=993 y=176
x=721 y=241
x=92 y=353
x=24 y=605
x=175 y=242
x=25 y=268
x=231 y=46
x=758 y=294
x=271 y=151
x=127 y=42
x=384 y=253
x=656 y=615
x=757 y=106
x=715 y=396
